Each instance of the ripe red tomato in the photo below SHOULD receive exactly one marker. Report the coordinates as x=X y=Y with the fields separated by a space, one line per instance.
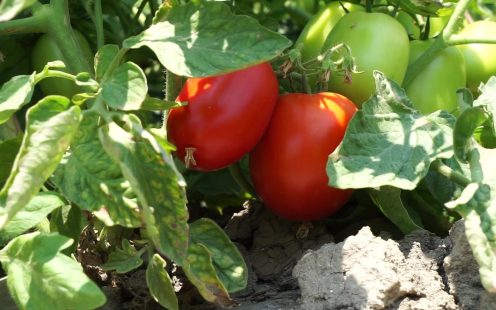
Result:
x=288 y=166
x=225 y=117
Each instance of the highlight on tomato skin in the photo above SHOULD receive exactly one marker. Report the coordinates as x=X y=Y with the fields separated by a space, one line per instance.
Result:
x=288 y=166
x=224 y=118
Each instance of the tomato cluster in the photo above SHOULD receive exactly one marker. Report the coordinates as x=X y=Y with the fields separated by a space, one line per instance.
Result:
x=289 y=136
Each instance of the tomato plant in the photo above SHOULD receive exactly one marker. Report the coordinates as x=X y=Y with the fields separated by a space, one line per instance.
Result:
x=435 y=86
x=224 y=118
x=288 y=165
x=371 y=37
x=46 y=50
x=479 y=58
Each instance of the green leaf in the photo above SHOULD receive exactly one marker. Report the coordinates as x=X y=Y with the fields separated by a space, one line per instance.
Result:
x=88 y=177
x=126 y=88
x=160 y=284
x=125 y=259
x=156 y=104
x=156 y=182
x=103 y=58
x=486 y=134
x=36 y=210
x=208 y=40
x=15 y=94
x=10 y=8
x=389 y=143
x=8 y=153
x=388 y=199
x=226 y=258
x=41 y=278
x=201 y=272
x=465 y=126
x=426 y=7
x=51 y=125
x=477 y=205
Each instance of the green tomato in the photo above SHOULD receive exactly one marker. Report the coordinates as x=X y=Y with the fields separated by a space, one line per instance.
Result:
x=436 y=85
x=46 y=50
x=377 y=42
x=480 y=59
x=317 y=29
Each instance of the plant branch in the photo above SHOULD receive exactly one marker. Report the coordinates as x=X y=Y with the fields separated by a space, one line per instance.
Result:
x=32 y=24
x=455 y=176
x=100 y=37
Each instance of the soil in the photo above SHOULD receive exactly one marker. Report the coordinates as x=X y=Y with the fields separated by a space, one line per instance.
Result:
x=295 y=266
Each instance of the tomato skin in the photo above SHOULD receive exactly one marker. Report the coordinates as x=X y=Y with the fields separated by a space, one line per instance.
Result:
x=225 y=117
x=480 y=59
x=288 y=166
x=436 y=85
x=377 y=42
x=46 y=50
x=313 y=36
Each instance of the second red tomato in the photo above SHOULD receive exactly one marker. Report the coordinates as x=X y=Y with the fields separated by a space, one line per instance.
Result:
x=224 y=118
x=288 y=166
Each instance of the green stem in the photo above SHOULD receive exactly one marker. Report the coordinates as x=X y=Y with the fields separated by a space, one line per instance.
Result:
x=451 y=174
x=477 y=174
x=237 y=174
x=32 y=24
x=439 y=44
x=140 y=10
x=459 y=40
x=100 y=37
x=61 y=31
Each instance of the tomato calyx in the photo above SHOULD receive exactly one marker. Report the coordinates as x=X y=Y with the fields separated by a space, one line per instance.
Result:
x=189 y=158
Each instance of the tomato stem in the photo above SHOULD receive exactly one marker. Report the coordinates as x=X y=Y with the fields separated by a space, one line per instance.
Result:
x=439 y=44
x=100 y=37
x=448 y=172
x=239 y=177
x=32 y=24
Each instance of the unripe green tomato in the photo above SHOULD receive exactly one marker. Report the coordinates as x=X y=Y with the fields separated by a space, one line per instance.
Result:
x=480 y=59
x=435 y=86
x=377 y=42
x=318 y=28
x=46 y=50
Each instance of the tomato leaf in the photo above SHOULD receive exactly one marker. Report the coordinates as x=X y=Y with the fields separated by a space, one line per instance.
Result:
x=126 y=88
x=156 y=104
x=37 y=209
x=124 y=259
x=389 y=143
x=201 y=272
x=40 y=277
x=477 y=204
x=208 y=40
x=68 y=220
x=157 y=184
x=103 y=58
x=426 y=7
x=10 y=8
x=226 y=258
x=15 y=94
x=160 y=284
x=486 y=135
x=388 y=199
x=51 y=125
x=88 y=177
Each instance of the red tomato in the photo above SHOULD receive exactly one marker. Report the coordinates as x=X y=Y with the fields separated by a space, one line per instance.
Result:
x=225 y=117
x=288 y=166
